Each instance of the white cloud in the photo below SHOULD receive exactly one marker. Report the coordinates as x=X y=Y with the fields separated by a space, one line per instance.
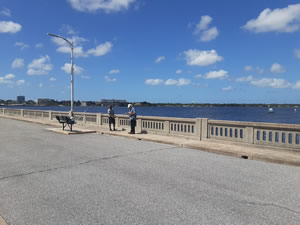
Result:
x=63 y=47
x=171 y=82
x=297 y=53
x=17 y=63
x=41 y=85
x=9 y=27
x=179 y=82
x=40 y=66
x=159 y=59
x=100 y=5
x=114 y=71
x=101 y=49
x=203 y=24
x=206 y=34
x=229 y=88
x=244 y=79
x=20 y=82
x=85 y=77
x=268 y=82
x=209 y=34
x=5 y=12
x=277 y=68
x=68 y=29
x=75 y=39
x=22 y=45
x=256 y=69
x=67 y=68
x=7 y=79
x=39 y=45
x=196 y=57
x=154 y=82
x=271 y=82
x=279 y=20
x=109 y=79
x=178 y=71
x=221 y=74
x=9 y=76
x=77 y=51
x=248 y=68
x=52 y=79
x=297 y=85
x=183 y=82
x=260 y=70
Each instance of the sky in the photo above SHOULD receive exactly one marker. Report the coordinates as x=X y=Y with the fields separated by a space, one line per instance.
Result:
x=171 y=51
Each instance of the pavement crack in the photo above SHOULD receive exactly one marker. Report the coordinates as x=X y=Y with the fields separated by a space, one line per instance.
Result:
x=84 y=163
x=273 y=205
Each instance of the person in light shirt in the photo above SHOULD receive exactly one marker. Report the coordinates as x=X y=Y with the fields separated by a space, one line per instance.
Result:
x=132 y=118
x=111 y=114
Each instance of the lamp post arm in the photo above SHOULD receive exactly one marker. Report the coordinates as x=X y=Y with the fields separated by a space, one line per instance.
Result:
x=57 y=36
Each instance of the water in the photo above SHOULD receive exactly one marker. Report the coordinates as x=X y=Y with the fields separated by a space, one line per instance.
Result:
x=251 y=114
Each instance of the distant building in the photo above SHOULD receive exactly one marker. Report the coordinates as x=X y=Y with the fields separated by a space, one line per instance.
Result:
x=20 y=99
x=45 y=101
x=112 y=101
x=106 y=102
x=83 y=103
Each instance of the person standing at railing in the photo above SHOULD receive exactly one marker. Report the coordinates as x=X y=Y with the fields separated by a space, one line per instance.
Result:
x=111 y=120
x=132 y=118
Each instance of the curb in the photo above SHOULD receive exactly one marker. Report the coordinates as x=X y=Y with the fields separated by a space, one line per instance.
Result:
x=248 y=156
x=242 y=155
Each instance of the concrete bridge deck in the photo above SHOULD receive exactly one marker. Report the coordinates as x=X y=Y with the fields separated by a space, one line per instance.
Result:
x=49 y=178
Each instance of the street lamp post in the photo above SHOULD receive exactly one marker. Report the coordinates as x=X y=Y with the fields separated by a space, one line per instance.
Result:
x=72 y=70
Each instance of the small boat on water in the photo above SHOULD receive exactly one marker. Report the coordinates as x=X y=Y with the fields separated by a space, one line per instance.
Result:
x=270 y=110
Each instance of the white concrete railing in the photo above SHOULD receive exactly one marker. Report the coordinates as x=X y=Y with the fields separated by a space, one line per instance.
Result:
x=270 y=134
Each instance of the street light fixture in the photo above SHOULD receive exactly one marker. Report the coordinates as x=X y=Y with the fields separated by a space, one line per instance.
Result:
x=72 y=69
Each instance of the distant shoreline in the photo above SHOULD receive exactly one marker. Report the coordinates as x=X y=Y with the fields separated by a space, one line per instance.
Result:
x=146 y=104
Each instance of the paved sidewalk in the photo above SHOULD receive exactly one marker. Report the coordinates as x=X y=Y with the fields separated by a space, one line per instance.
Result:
x=242 y=150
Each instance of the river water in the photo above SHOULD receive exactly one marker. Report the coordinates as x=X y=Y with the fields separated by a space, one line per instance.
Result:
x=252 y=114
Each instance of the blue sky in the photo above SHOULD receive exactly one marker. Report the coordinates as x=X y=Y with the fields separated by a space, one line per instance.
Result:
x=152 y=50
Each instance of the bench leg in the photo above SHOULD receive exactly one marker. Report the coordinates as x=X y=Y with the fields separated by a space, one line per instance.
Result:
x=70 y=127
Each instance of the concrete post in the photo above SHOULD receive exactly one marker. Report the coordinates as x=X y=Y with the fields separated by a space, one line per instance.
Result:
x=167 y=127
x=198 y=128
x=117 y=119
x=100 y=119
x=249 y=135
x=204 y=130
x=84 y=119
x=22 y=112
x=139 y=126
x=50 y=115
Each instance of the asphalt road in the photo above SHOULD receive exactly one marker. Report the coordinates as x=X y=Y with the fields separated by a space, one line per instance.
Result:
x=49 y=178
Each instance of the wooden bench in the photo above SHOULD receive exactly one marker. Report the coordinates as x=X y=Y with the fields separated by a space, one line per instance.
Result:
x=65 y=120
